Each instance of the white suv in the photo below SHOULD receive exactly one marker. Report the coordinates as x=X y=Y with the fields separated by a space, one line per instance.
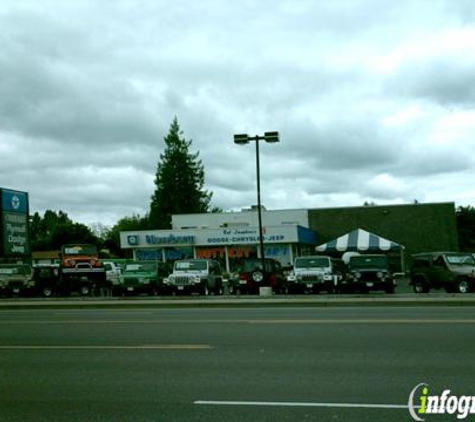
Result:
x=315 y=273
x=196 y=275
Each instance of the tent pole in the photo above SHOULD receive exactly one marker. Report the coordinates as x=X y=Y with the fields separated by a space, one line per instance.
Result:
x=403 y=266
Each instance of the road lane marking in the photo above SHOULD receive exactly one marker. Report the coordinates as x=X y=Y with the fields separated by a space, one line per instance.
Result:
x=302 y=404
x=99 y=312
x=120 y=347
x=363 y=321
x=243 y=321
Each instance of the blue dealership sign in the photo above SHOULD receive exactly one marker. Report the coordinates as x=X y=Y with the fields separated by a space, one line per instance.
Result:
x=14 y=201
x=14 y=233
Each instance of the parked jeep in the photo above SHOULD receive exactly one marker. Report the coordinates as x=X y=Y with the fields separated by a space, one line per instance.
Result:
x=368 y=272
x=249 y=277
x=142 y=277
x=195 y=275
x=315 y=274
x=452 y=271
x=46 y=280
x=15 y=279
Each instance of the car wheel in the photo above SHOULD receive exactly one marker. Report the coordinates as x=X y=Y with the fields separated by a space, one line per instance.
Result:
x=419 y=287
x=85 y=290
x=257 y=276
x=463 y=286
x=219 y=291
x=205 y=290
x=47 y=291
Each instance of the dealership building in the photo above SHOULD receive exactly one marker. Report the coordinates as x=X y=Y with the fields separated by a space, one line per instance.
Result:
x=231 y=236
x=227 y=237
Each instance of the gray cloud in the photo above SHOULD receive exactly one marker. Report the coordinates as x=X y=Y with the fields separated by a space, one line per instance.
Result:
x=366 y=110
x=443 y=81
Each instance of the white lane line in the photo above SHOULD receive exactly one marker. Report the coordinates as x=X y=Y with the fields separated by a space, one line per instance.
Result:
x=105 y=313
x=120 y=347
x=244 y=321
x=362 y=321
x=301 y=404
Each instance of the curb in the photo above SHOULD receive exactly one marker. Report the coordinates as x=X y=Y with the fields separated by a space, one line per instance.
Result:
x=110 y=303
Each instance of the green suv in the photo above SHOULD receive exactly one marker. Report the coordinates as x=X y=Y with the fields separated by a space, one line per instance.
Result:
x=368 y=272
x=142 y=277
x=452 y=271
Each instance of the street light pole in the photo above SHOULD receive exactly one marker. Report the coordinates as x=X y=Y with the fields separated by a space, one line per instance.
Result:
x=259 y=214
x=242 y=139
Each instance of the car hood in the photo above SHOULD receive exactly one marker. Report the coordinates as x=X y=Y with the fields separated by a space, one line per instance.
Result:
x=368 y=269
x=193 y=272
x=463 y=269
x=138 y=274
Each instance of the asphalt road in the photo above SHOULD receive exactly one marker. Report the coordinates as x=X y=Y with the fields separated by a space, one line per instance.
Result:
x=230 y=364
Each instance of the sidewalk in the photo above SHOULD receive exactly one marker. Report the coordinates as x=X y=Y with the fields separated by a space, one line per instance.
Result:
x=434 y=299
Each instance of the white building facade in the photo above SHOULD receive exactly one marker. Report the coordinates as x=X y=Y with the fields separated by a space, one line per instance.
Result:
x=227 y=237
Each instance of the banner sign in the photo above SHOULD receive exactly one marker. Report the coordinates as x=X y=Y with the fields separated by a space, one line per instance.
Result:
x=245 y=236
x=215 y=237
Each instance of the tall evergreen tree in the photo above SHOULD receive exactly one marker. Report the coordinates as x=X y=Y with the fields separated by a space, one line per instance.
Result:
x=179 y=181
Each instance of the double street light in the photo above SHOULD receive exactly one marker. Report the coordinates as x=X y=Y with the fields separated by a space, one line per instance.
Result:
x=242 y=139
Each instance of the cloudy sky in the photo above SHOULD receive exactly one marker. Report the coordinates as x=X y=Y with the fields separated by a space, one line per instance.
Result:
x=374 y=100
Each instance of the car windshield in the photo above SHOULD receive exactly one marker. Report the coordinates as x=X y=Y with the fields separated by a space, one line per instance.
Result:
x=79 y=250
x=312 y=262
x=460 y=259
x=368 y=262
x=190 y=265
x=146 y=266
x=254 y=264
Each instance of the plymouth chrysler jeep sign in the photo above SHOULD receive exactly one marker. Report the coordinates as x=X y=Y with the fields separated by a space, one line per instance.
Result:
x=14 y=223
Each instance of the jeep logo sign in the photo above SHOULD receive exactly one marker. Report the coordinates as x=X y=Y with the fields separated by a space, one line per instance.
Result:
x=133 y=239
x=14 y=201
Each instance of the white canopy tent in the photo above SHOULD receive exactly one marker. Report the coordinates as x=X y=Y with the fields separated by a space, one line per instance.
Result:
x=360 y=240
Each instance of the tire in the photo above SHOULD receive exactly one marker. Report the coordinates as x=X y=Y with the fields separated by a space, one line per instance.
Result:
x=205 y=290
x=47 y=291
x=85 y=290
x=420 y=286
x=257 y=276
x=219 y=290
x=463 y=286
